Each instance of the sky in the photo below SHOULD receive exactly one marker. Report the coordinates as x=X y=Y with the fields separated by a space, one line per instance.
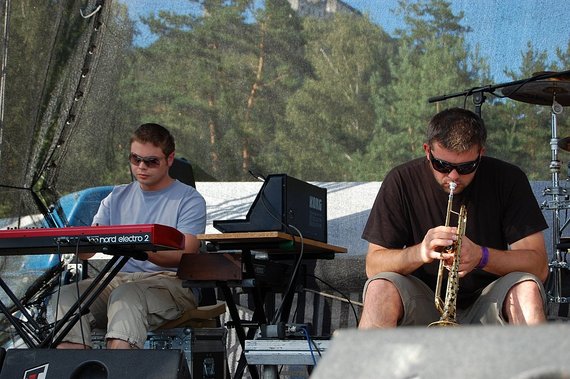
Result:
x=501 y=28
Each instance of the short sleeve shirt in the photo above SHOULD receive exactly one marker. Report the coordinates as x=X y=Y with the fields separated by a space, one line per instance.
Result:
x=501 y=209
x=179 y=205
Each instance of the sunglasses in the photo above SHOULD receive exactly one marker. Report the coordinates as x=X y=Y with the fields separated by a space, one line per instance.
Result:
x=149 y=162
x=462 y=168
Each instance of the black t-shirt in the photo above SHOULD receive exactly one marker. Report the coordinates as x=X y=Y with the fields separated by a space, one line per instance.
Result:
x=501 y=209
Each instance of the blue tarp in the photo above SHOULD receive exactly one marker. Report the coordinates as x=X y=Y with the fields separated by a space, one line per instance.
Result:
x=74 y=209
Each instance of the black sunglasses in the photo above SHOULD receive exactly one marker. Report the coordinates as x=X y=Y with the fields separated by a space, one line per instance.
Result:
x=150 y=162
x=462 y=168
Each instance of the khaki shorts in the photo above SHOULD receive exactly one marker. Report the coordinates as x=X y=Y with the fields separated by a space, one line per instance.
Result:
x=419 y=307
x=130 y=306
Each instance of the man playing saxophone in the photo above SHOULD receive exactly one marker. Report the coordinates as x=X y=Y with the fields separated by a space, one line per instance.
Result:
x=503 y=258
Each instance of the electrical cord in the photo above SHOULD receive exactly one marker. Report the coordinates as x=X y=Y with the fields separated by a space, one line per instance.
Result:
x=78 y=292
x=299 y=258
x=58 y=291
x=343 y=295
x=293 y=276
x=310 y=342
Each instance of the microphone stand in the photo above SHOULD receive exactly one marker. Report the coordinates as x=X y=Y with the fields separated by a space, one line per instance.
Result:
x=478 y=93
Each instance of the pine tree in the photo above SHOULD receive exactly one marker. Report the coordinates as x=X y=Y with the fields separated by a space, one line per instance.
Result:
x=432 y=59
x=332 y=116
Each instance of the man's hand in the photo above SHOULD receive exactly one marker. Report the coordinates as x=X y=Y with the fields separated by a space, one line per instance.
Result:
x=435 y=241
x=470 y=256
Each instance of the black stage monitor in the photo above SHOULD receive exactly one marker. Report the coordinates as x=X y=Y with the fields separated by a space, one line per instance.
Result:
x=284 y=204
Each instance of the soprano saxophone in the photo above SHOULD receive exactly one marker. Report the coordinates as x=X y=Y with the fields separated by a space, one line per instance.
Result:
x=448 y=308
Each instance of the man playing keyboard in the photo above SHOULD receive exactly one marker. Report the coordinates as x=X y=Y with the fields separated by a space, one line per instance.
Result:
x=145 y=294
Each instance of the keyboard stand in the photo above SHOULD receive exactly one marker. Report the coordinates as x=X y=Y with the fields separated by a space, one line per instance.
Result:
x=35 y=335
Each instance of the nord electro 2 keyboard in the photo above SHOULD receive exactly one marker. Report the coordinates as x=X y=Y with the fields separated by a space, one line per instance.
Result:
x=107 y=239
x=121 y=241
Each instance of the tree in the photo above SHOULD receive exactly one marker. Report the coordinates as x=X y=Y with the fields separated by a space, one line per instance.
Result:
x=431 y=59
x=331 y=116
x=521 y=132
x=282 y=68
x=225 y=91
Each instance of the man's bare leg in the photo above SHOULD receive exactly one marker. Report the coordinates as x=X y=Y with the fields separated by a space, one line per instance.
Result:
x=72 y=345
x=523 y=304
x=113 y=343
x=382 y=307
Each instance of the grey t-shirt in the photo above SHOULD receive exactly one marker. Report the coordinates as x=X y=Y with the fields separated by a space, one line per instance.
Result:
x=179 y=205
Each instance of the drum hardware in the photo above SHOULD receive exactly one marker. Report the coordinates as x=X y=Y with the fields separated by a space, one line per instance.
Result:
x=564 y=144
x=554 y=205
x=560 y=191
x=550 y=88
x=562 y=264
x=559 y=269
x=542 y=88
x=553 y=91
x=559 y=201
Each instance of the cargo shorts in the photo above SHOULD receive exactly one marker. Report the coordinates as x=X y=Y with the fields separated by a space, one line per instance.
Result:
x=419 y=300
x=130 y=306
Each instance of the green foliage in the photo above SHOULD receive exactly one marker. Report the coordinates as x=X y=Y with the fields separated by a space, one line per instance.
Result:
x=431 y=59
x=335 y=99
x=332 y=114
x=521 y=133
x=246 y=88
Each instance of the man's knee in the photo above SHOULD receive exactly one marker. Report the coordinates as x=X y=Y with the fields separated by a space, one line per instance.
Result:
x=126 y=292
x=114 y=343
x=524 y=290
x=382 y=305
x=381 y=288
x=524 y=304
x=382 y=293
x=68 y=295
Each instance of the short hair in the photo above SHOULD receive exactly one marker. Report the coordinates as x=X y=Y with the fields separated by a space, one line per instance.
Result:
x=156 y=134
x=457 y=129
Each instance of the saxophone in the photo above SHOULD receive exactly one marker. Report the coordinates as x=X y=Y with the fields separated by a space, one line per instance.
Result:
x=447 y=308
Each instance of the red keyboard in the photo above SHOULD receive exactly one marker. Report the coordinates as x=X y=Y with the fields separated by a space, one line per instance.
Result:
x=106 y=239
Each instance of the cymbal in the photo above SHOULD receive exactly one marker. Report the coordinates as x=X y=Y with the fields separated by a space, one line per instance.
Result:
x=541 y=92
x=564 y=144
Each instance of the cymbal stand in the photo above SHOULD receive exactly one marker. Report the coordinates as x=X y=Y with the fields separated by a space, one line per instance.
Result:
x=558 y=202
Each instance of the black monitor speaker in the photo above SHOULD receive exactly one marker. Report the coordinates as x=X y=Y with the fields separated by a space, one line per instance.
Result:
x=94 y=364
x=287 y=205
